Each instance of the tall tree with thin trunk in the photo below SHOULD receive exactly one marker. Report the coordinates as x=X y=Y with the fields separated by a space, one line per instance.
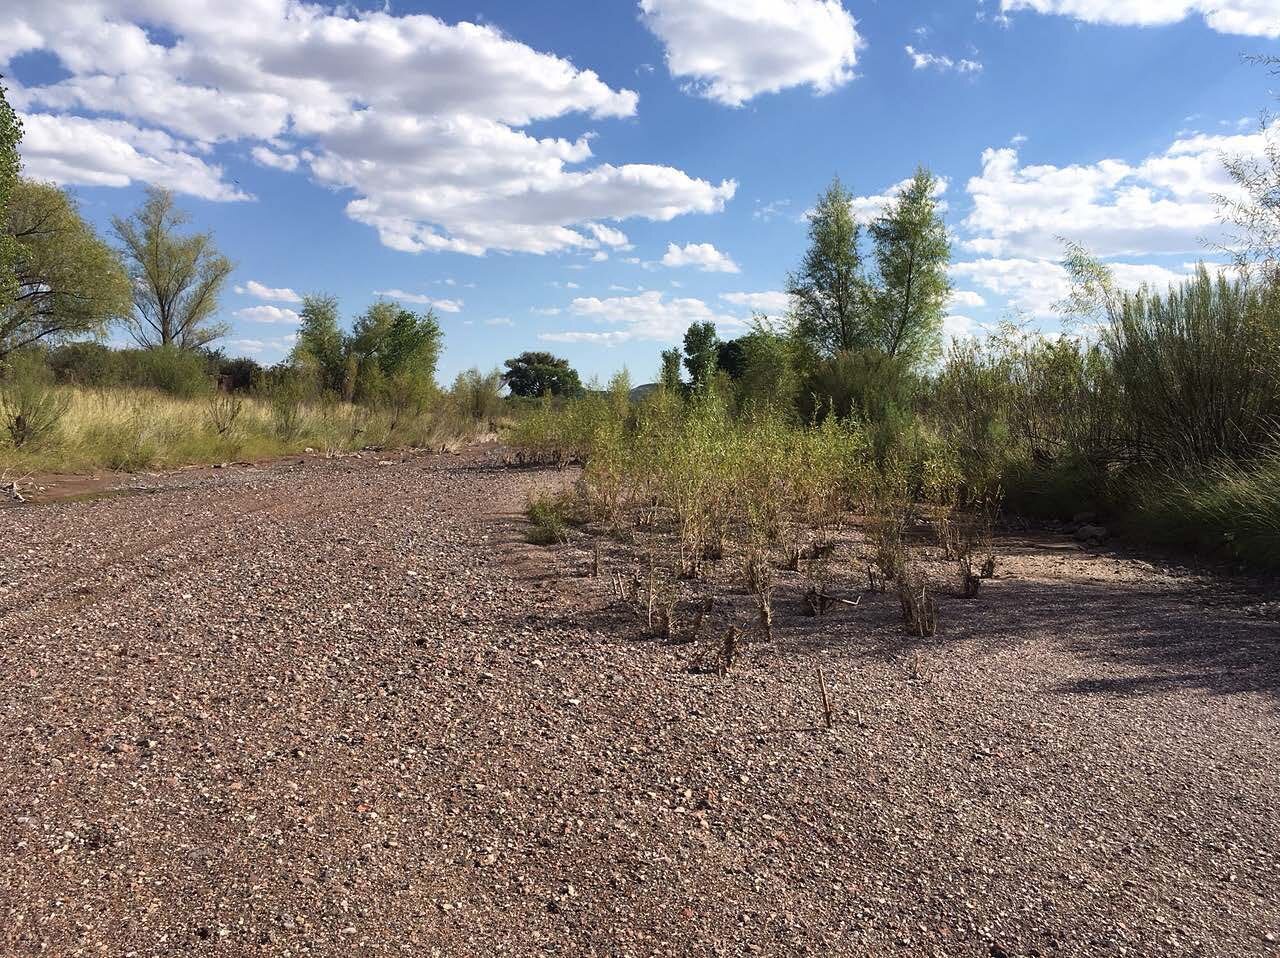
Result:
x=177 y=277
x=829 y=293
x=912 y=255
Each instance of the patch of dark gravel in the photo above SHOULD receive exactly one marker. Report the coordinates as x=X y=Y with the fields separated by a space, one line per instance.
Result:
x=339 y=707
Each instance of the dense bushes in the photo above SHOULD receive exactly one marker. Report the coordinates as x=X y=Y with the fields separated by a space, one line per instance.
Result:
x=1162 y=422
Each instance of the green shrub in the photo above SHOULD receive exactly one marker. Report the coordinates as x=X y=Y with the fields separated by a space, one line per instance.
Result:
x=288 y=396
x=177 y=372
x=477 y=396
x=1198 y=368
x=85 y=364
x=31 y=406
x=1229 y=509
x=547 y=522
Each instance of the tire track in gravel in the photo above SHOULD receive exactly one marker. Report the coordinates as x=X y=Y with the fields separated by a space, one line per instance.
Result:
x=123 y=541
x=228 y=525
x=333 y=499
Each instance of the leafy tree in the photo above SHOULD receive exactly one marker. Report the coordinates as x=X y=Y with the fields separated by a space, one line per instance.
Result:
x=240 y=374
x=10 y=167
x=413 y=344
x=65 y=280
x=409 y=354
x=539 y=373
x=396 y=340
x=772 y=359
x=912 y=255
x=829 y=293
x=731 y=358
x=390 y=356
x=477 y=395
x=701 y=347
x=320 y=347
x=176 y=278
x=670 y=374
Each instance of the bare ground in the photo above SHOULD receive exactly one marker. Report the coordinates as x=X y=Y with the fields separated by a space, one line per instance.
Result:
x=338 y=707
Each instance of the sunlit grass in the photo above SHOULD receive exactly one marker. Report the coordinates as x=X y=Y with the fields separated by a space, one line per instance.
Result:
x=132 y=430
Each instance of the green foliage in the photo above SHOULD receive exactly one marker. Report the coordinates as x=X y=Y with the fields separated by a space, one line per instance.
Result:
x=288 y=396
x=701 y=348
x=389 y=358
x=829 y=293
x=912 y=254
x=239 y=373
x=67 y=282
x=10 y=167
x=167 y=369
x=1039 y=414
x=1198 y=369
x=866 y=384
x=534 y=374
x=477 y=396
x=30 y=405
x=547 y=521
x=84 y=364
x=1230 y=509
x=773 y=360
x=176 y=279
x=320 y=350
x=669 y=376
x=411 y=347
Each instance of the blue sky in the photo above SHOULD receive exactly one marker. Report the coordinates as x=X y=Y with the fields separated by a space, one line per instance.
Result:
x=589 y=177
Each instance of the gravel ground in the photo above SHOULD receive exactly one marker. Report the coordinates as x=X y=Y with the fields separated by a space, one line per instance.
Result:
x=340 y=708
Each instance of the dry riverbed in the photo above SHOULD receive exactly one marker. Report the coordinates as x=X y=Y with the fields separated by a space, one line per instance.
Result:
x=338 y=707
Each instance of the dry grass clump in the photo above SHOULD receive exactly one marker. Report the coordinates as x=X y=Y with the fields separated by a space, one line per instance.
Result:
x=134 y=429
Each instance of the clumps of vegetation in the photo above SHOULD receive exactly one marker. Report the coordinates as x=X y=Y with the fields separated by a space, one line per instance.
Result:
x=30 y=407
x=548 y=519
x=222 y=411
x=714 y=501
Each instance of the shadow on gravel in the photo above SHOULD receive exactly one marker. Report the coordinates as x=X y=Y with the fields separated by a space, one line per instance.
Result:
x=1170 y=639
x=1142 y=640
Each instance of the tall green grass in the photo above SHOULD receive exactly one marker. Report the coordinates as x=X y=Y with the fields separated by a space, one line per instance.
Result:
x=1230 y=509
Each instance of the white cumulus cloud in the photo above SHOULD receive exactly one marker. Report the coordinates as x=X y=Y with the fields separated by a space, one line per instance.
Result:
x=704 y=256
x=418 y=120
x=1258 y=18
x=280 y=294
x=83 y=151
x=267 y=314
x=922 y=60
x=645 y=316
x=421 y=299
x=734 y=50
x=1163 y=204
x=771 y=303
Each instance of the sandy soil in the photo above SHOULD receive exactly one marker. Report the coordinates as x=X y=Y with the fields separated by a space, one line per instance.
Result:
x=340 y=708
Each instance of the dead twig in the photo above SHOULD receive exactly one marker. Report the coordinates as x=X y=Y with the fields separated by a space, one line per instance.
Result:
x=826 y=699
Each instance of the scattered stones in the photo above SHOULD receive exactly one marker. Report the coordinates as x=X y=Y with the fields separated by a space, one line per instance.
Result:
x=235 y=720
